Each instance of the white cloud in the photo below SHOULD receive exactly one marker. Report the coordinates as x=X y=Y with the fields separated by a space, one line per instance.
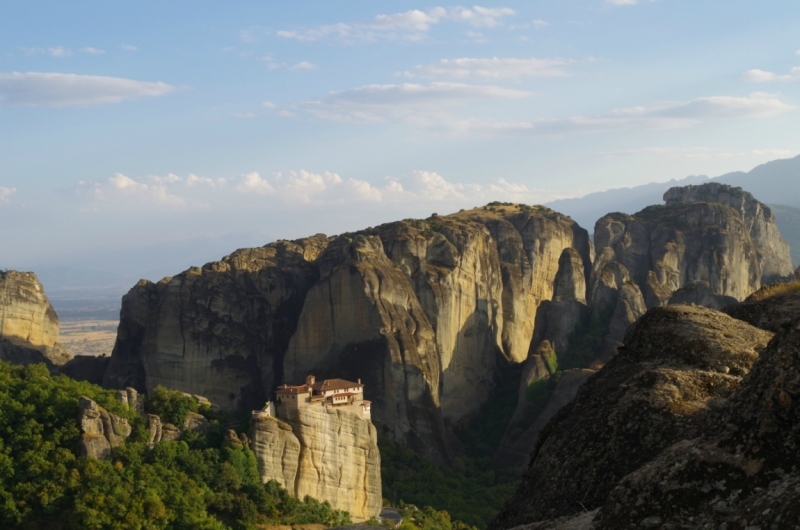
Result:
x=417 y=104
x=92 y=51
x=670 y=116
x=253 y=183
x=123 y=187
x=167 y=192
x=303 y=65
x=622 y=2
x=420 y=186
x=538 y=23
x=58 y=90
x=128 y=48
x=5 y=193
x=494 y=68
x=762 y=76
x=194 y=180
x=59 y=51
x=169 y=179
x=269 y=105
x=409 y=25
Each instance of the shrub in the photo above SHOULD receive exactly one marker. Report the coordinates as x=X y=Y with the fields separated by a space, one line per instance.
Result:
x=172 y=406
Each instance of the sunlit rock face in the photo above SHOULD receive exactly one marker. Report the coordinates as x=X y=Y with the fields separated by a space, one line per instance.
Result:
x=773 y=255
x=420 y=310
x=29 y=325
x=329 y=454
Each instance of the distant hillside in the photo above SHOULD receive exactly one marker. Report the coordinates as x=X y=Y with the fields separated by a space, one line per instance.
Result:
x=774 y=182
x=588 y=209
x=788 y=218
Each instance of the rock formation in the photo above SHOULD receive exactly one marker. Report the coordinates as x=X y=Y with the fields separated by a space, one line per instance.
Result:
x=421 y=311
x=100 y=430
x=700 y=293
x=425 y=311
x=773 y=255
x=740 y=472
x=678 y=364
x=28 y=323
x=773 y=307
x=220 y=330
x=323 y=452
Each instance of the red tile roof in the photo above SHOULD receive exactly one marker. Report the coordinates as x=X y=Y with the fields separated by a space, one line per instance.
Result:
x=335 y=384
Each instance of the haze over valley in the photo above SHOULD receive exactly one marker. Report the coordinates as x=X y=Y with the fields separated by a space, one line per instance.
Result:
x=509 y=266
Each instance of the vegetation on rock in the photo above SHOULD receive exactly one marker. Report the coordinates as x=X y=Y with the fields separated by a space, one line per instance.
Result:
x=190 y=484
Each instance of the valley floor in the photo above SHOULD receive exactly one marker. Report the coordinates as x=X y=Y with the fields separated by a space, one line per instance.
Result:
x=89 y=337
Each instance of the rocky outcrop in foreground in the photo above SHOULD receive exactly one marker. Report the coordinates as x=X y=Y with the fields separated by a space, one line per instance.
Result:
x=679 y=363
x=329 y=454
x=28 y=323
x=693 y=425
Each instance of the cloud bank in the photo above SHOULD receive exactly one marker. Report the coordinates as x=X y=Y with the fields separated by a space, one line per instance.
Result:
x=60 y=90
x=304 y=187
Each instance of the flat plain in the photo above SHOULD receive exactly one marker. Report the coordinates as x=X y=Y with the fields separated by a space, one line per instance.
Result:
x=89 y=337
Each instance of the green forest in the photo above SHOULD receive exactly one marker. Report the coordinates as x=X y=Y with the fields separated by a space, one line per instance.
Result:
x=195 y=483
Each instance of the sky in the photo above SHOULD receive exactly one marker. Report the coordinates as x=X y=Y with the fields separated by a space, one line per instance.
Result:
x=143 y=125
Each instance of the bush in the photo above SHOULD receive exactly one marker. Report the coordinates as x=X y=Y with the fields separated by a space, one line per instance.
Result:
x=172 y=406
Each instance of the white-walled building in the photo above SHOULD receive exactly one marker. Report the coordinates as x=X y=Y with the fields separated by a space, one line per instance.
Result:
x=337 y=393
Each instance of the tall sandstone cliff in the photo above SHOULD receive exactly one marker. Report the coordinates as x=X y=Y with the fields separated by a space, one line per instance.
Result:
x=29 y=325
x=424 y=310
x=420 y=310
x=326 y=453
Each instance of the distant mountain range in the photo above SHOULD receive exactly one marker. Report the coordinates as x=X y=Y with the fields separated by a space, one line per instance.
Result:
x=776 y=183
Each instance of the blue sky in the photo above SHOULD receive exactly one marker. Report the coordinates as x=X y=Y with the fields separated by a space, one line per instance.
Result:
x=124 y=124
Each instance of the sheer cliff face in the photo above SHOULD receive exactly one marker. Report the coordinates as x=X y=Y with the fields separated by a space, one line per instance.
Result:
x=665 y=247
x=361 y=320
x=712 y=233
x=28 y=321
x=773 y=252
x=331 y=455
x=218 y=331
x=421 y=311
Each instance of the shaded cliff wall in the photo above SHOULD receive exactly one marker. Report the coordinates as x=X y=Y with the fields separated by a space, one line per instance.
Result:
x=218 y=331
